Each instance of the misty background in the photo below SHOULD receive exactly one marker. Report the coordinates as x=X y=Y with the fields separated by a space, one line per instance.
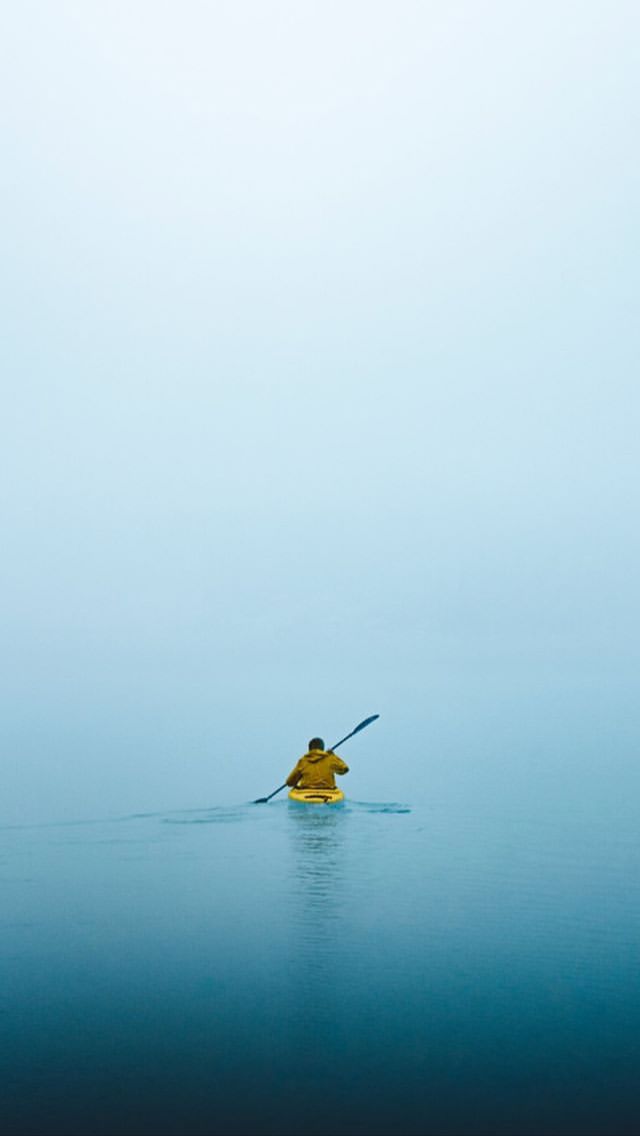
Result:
x=319 y=363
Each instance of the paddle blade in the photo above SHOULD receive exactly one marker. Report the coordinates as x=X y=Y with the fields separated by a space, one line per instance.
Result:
x=264 y=800
x=367 y=722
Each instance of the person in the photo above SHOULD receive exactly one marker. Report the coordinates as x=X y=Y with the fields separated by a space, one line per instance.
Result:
x=316 y=769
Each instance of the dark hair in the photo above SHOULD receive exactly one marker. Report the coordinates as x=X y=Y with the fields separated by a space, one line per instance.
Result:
x=316 y=743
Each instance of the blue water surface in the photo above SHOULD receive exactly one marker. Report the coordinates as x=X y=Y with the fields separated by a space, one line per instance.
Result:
x=280 y=969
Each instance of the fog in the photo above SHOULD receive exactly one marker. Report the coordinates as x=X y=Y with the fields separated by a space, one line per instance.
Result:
x=319 y=400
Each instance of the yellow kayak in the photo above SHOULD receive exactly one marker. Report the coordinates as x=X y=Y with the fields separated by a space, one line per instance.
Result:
x=316 y=796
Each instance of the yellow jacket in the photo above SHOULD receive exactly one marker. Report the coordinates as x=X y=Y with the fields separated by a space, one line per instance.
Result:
x=316 y=770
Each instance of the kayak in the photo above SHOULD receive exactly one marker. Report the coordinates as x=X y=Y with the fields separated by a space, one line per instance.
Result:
x=316 y=796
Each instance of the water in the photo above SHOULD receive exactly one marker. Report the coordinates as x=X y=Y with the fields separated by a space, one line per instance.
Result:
x=375 y=969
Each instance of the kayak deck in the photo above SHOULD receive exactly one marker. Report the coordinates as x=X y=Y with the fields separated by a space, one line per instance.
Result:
x=316 y=796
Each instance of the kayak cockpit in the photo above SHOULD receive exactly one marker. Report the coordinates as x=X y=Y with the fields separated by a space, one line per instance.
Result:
x=316 y=796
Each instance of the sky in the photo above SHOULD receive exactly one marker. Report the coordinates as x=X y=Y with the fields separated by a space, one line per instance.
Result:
x=319 y=398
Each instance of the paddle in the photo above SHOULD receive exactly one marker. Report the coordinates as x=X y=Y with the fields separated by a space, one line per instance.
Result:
x=367 y=722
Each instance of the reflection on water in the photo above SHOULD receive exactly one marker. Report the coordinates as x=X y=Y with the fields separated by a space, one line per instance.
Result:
x=318 y=854
x=316 y=904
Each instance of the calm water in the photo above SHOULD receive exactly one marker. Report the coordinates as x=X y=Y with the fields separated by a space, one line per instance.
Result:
x=383 y=968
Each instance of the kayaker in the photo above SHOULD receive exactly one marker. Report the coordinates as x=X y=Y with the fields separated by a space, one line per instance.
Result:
x=316 y=769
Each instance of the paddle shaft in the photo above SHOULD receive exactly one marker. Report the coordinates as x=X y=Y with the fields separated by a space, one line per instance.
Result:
x=361 y=726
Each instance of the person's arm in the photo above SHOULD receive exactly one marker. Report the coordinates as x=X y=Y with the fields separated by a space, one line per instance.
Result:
x=339 y=766
x=294 y=776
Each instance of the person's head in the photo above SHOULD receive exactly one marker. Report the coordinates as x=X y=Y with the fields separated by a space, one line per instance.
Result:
x=316 y=743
